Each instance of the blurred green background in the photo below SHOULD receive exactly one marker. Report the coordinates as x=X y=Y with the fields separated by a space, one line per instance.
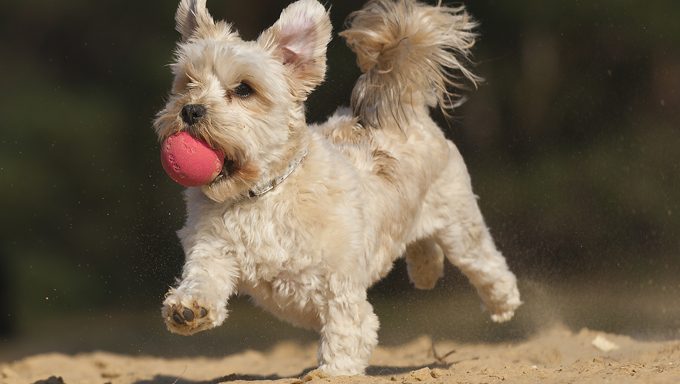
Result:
x=573 y=143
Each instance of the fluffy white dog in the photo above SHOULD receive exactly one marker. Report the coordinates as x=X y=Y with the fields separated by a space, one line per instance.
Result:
x=304 y=219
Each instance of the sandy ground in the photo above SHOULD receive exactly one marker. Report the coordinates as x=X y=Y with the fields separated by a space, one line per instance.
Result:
x=553 y=356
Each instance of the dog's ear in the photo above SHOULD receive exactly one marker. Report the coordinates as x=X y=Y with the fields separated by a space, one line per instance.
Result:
x=299 y=39
x=191 y=16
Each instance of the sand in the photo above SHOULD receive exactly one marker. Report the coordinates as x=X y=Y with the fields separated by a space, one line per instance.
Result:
x=557 y=355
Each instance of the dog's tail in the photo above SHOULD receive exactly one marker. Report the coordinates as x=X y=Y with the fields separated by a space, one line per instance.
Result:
x=410 y=54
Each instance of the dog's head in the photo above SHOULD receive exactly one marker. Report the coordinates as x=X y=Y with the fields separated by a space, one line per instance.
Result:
x=245 y=98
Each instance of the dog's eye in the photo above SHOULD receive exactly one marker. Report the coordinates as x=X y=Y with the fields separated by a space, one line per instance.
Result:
x=243 y=90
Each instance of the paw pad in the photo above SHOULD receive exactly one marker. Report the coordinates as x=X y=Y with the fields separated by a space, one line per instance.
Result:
x=187 y=315
x=183 y=315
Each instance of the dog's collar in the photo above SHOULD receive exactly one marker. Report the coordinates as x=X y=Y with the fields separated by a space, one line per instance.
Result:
x=262 y=188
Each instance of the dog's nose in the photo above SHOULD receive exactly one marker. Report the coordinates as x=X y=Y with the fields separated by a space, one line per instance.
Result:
x=191 y=113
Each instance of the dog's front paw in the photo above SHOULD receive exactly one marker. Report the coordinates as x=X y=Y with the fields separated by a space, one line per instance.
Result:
x=186 y=314
x=344 y=368
x=315 y=374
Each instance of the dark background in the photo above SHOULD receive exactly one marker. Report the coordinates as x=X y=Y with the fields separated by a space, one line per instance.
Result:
x=573 y=144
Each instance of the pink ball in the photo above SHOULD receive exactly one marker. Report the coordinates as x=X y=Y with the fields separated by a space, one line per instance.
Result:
x=190 y=161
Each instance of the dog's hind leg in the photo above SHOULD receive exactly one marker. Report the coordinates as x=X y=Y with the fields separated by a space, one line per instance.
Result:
x=466 y=240
x=424 y=263
x=468 y=246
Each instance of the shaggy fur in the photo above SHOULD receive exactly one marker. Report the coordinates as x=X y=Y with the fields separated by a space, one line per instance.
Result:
x=376 y=182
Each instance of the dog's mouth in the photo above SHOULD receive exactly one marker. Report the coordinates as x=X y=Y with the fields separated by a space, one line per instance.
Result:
x=228 y=169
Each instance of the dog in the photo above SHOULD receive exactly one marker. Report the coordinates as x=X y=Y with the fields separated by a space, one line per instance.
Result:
x=305 y=218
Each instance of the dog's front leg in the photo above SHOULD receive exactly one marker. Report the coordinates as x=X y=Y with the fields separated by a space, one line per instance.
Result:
x=349 y=333
x=209 y=278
